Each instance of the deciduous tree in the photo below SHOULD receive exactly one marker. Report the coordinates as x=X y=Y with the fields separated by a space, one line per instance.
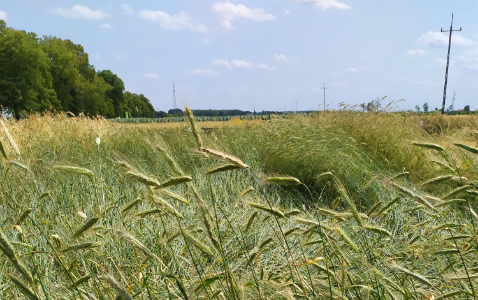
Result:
x=25 y=81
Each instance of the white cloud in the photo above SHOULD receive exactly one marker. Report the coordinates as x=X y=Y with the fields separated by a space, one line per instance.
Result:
x=416 y=52
x=286 y=12
x=203 y=72
x=97 y=55
x=440 y=61
x=79 y=12
x=240 y=64
x=106 y=26
x=324 y=4
x=282 y=58
x=120 y=57
x=127 y=9
x=151 y=75
x=352 y=70
x=172 y=22
x=438 y=39
x=222 y=63
x=228 y=12
x=470 y=59
x=3 y=15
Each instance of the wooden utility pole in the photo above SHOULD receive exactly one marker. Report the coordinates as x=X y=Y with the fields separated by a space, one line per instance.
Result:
x=447 y=62
x=324 y=88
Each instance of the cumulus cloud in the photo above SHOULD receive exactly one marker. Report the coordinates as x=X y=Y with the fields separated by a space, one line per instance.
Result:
x=127 y=9
x=416 y=52
x=240 y=64
x=79 y=12
x=281 y=58
x=470 y=59
x=3 y=15
x=203 y=72
x=324 y=4
x=106 y=26
x=172 y=22
x=151 y=75
x=439 y=39
x=228 y=12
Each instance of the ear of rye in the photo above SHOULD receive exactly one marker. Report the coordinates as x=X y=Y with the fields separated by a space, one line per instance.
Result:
x=10 y=138
x=341 y=189
x=193 y=127
x=224 y=156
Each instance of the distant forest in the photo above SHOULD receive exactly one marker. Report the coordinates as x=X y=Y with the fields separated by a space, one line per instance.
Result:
x=46 y=74
x=218 y=112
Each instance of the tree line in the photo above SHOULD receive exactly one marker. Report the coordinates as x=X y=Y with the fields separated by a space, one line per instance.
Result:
x=51 y=74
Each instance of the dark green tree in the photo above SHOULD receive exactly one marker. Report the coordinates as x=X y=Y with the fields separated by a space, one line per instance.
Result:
x=71 y=72
x=94 y=98
x=425 y=107
x=25 y=81
x=116 y=93
x=138 y=105
x=467 y=108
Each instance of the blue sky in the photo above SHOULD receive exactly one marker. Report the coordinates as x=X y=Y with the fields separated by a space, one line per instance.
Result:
x=270 y=54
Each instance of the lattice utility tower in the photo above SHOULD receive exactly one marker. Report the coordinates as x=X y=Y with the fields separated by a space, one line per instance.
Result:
x=174 y=97
x=453 y=101
x=324 y=88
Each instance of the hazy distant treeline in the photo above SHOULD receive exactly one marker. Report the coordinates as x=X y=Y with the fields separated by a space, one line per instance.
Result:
x=45 y=74
x=220 y=112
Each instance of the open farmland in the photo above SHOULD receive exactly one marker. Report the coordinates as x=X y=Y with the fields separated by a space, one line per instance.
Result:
x=341 y=205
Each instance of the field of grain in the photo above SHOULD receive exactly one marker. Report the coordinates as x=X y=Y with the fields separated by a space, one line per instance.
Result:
x=341 y=205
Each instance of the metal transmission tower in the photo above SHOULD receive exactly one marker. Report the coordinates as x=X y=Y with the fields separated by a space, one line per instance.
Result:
x=447 y=62
x=174 y=97
x=324 y=88
x=453 y=101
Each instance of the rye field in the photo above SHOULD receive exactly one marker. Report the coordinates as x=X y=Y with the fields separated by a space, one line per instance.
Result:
x=337 y=205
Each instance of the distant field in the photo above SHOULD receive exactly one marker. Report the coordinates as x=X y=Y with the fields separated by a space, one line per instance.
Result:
x=342 y=205
x=201 y=124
